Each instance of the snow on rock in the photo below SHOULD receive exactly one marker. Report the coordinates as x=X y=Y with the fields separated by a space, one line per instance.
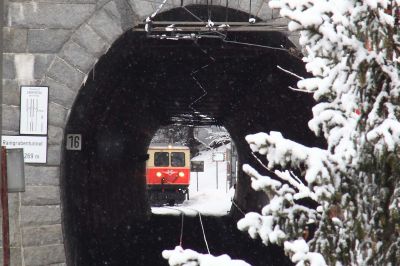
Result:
x=188 y=257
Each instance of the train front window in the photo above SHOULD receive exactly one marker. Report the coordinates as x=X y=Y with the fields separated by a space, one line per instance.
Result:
x=161 y=159
x=177 y=159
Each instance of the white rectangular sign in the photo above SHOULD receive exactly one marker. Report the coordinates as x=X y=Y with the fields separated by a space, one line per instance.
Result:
x=35 y=148
x=218 y=157
x=34 y=108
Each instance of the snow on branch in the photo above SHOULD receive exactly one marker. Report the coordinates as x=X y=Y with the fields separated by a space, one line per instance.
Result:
x=286 y=153
x=352 y=49
x=188 y=257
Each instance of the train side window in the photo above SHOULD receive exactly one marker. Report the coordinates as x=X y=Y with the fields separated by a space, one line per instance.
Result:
x=177 y=159
x=161 y=159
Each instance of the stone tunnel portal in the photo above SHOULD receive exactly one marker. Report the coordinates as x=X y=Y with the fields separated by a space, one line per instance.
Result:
x=141 y=84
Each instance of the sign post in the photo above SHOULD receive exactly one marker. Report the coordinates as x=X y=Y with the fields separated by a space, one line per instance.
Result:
x=216 y=172
x=197 y=166
x=4 y=207
x=218 y=157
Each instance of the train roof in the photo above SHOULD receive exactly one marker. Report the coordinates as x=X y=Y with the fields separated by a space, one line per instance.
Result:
x=163 y=146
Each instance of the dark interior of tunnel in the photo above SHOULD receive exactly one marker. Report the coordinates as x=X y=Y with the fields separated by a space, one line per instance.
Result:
x=141 y=84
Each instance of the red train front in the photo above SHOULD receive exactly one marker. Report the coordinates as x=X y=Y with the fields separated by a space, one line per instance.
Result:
x=168 y=174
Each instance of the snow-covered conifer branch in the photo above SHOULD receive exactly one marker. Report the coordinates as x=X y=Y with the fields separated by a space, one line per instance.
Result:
x=188 y=257
x=352 y=49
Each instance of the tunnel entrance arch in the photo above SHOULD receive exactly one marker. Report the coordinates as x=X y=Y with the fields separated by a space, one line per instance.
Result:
x=141 y=84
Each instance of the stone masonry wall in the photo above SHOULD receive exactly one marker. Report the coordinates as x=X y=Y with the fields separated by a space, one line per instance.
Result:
x=56 y=43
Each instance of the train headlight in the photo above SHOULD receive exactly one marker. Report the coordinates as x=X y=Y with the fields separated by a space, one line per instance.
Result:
x=158 y=174
x=181 y=174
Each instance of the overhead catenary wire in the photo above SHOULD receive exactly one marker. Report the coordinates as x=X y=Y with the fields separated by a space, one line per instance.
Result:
x=225 y=36
x=220 y=35
x=192 y=14
x=193 y=75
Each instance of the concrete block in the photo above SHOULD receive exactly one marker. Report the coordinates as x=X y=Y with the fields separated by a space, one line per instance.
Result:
x=11 y=92
x=44 y=255
x=10 y=118
x=15 y=256
x=40 y=215
x=101 y=3
x=294 y=37
x=41 y=195
x=49 y=15
x=54 y=154
x=47 y=40
x=105 y=26
x=112 y=10
x=265 y=12
x=234 y=4
x=244 y=5
x=78 y=56
x=8 y=66
x=86 y=37
x=15 y=40
x=41 y=64
x=9 y=132
x=64 y=73
x=121 y=11
x=42 y=175
x=44 y=235
x=143 y=9
x=5 y=12
x=57 y=115
x=55 y=135
x=60 y=93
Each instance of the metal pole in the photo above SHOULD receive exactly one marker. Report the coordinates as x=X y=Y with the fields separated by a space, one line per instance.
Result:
x=4 y=205
x=197 y=179
x=226 y=180
x=216 y=169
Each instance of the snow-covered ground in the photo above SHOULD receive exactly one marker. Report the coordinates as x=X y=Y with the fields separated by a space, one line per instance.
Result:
x=207 y=199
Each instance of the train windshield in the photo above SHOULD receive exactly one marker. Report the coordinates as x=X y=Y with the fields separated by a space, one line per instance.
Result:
x=177 y=159
x=161 y=159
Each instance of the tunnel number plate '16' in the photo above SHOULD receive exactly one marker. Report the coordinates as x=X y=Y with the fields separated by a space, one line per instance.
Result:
x=74 y=142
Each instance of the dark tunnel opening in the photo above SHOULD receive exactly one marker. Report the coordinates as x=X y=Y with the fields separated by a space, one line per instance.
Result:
x=141 y=84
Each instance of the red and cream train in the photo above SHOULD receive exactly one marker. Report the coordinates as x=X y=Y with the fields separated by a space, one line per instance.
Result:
x=168 y=174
